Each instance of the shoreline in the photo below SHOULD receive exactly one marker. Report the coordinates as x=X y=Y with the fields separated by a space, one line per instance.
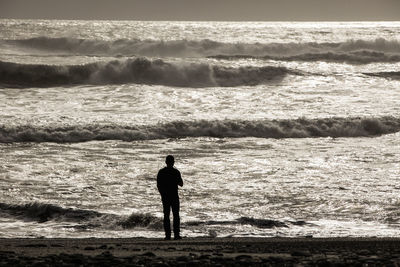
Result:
x=200 y=251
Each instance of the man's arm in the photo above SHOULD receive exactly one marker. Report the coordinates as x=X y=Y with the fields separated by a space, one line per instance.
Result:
x=180 y=181
x=158 y=182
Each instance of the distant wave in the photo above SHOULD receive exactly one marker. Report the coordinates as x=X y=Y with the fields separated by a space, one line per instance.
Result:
x=139 y=70
x=385 y=74
x=296 y=128
x=42 y=213
x=204 y=48
x=352 y=57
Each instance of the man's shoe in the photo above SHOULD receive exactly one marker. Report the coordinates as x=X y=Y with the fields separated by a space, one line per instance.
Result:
x=167 y=238
x=177 y=237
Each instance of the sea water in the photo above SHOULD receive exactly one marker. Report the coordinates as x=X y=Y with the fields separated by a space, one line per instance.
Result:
x=278 y=128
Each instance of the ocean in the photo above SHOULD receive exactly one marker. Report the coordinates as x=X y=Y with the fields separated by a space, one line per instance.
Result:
x=286 y=129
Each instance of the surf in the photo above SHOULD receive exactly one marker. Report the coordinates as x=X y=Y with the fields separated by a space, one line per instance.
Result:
x=201 y=48
x=46 y=212
x=277 y=129
x=394 y=75
x=352 y=57
x=139 y=71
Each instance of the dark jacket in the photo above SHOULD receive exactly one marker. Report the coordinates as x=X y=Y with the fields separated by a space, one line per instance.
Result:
x=168 y=180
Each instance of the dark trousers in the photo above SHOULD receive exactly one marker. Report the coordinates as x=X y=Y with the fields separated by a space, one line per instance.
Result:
x=169 y=203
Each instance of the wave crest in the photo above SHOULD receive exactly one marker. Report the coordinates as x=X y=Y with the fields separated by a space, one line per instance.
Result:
x=198 y=48
x=352 y=57
x=296 y=128
x=45 y=212
x=259 y=223
x=42 y=213
x=385 y=74
x=141 y=220
x=139 y=70
x=351 y=51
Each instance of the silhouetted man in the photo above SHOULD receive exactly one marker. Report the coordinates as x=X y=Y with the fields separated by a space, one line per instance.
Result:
x=168 y=179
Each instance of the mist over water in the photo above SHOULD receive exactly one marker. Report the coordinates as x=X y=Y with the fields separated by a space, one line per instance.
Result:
x=279 y=129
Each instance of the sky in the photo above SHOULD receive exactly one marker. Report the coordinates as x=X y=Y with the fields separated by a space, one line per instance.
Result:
x=222 y=10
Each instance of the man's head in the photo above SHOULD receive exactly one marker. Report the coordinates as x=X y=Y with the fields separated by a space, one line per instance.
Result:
x=169 y=160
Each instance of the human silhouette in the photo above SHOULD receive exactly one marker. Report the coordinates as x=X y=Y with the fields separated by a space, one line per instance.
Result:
x=168 y=179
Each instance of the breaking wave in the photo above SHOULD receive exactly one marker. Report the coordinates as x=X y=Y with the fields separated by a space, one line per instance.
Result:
x=139 y=70
x=46 y=212
x=42 y=213
x=259 y=223
x=352 y=57
x=296 y=128
x=385 y=74
x=205 y=48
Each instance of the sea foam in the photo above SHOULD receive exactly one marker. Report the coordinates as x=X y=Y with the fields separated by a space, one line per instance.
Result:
x=199 y=48
x=44 y=212
x=295 y=128
x=351 y=57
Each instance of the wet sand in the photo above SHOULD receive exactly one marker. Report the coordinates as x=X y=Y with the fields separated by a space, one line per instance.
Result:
x=200 y=252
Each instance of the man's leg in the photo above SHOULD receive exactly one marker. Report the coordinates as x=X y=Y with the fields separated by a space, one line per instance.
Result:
x=175 y=212
x=167 y=223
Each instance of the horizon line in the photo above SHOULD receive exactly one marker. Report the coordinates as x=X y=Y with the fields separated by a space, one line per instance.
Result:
x=184 y=20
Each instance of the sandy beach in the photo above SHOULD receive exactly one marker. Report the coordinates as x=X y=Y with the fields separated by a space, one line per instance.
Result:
x=200 y=252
